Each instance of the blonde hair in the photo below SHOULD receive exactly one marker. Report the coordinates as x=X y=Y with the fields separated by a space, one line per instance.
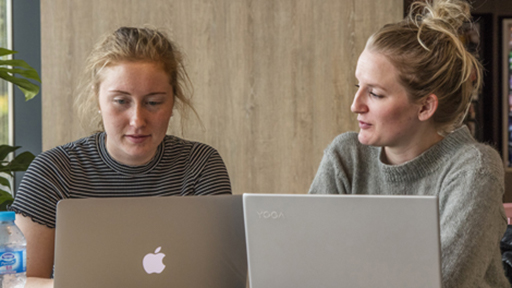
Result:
x=132 y=44
x=431 y=59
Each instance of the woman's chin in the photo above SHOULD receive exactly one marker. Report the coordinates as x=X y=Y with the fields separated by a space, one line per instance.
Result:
x=363 y=139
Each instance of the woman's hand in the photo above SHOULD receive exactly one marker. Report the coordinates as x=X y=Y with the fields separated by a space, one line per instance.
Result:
x=40 y=247
x=33 y=282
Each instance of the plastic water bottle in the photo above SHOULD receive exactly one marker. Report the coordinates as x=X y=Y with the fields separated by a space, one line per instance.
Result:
x=13 y=253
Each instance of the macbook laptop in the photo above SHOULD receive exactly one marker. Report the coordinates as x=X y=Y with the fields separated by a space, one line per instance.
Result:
x=192 y=242
x=311 y=241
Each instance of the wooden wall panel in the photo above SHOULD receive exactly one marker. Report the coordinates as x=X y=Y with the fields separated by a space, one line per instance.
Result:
x=273 y=80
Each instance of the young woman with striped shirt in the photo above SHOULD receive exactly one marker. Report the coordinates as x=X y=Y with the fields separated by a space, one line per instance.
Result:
x=134 y=82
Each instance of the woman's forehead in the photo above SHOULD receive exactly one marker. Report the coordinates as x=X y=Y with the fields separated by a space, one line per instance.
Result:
x=375 y=69
x=126 y=64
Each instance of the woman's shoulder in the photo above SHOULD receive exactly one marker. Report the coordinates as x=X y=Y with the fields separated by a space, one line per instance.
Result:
x=350 y=136
x=176 y=144
x=346 y=148
x=346 y=142
x=479 y=155
x=82 y=145
x=61 y=157
x=473 y=154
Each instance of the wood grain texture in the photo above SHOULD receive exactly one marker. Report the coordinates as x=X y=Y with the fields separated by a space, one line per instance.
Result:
x=273 y=79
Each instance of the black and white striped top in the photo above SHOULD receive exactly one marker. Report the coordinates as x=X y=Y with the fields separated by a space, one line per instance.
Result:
x=84 y=169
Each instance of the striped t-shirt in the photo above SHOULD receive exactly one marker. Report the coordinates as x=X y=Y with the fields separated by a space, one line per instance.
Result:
x=84 y=169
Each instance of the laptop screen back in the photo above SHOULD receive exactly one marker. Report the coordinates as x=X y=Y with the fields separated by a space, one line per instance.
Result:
x=342 y=241
x=125 y=242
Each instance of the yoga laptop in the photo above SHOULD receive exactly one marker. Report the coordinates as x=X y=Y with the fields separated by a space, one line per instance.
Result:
x=326 y=241
x=192 y=241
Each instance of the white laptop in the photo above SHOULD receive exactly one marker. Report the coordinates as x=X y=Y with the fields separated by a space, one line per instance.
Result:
x=192 y=242
x=311 y=241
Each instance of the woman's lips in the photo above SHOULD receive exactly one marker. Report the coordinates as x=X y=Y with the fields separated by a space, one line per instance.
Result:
x=364 y=125
x=137 y=138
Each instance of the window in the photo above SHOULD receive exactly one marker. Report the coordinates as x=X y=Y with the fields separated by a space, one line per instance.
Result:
x=6 y=117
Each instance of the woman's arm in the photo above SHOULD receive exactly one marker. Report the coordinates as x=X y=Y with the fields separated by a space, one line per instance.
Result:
x=472 y=223
x=40 y=246
x=33 y=282
x=330 y=178
x=214 y=178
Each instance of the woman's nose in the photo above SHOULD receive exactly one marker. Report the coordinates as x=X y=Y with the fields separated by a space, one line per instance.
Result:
x=137 y=119
x=359 y=105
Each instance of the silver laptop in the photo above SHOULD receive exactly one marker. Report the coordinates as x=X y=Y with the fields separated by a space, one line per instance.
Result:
x=311 y=241
x=192 y=242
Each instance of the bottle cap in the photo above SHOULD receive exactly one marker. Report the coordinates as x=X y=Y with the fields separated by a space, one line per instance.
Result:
x=7 y=216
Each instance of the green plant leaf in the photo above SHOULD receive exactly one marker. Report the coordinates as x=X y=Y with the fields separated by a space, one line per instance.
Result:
x=5 y=182
x=19 y=63
x=28 y=88
x=6 y=149
x=6 y=199
x=30 y=74
x=15 y=62
x=11 y=74
x=21 y=162
x=5 y=52
x=4 y=195
x=4 y=206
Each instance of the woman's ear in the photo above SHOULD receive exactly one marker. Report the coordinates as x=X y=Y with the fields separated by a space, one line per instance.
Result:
x=428 y=107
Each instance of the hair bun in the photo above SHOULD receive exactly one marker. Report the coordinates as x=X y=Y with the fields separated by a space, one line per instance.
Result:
x=441 y=15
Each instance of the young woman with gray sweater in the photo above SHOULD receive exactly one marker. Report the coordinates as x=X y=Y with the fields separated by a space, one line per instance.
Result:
x=416 y=81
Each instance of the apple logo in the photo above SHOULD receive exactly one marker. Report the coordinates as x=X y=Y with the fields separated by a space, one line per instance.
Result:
x=153 y=263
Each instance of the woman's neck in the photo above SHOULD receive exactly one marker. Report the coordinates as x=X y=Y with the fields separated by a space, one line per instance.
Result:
x=401 y=154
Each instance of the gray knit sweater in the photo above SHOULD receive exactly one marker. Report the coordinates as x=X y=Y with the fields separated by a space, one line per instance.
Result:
x=467 y=177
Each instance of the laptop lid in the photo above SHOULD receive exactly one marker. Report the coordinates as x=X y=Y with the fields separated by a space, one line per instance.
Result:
x=342 y=241
x=193 y=242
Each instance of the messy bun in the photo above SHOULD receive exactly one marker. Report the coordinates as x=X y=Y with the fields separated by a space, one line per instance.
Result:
x=431 y=59
x=445 y=16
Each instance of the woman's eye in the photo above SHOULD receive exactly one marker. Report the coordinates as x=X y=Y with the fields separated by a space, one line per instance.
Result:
x=120 y=101
x=154 y=103
x=375 y=95
x=371 y=92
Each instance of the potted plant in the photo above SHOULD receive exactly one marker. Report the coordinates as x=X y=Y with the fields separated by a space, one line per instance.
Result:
x=17 y=72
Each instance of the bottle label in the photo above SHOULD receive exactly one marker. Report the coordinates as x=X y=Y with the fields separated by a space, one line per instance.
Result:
x=13 y=262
